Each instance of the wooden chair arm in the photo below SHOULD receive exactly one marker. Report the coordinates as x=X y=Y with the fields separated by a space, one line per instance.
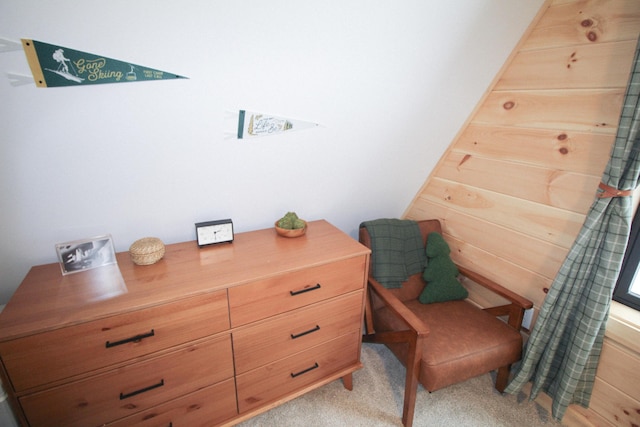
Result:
x=414 y=336
x=398 y=308
x=514 y=310
x=514 y=298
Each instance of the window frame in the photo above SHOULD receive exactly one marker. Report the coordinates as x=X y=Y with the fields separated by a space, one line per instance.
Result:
x=630 y=267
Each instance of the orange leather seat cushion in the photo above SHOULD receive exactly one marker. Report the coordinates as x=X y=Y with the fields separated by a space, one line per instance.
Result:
x=463 y=341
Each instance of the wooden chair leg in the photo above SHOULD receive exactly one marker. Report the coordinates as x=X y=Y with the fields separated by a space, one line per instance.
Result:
x=414 y=356
x=502 y=378
x=411 y=382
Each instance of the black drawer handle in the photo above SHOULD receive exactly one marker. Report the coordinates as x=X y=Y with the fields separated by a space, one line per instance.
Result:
x=142 y=390
x=132 y=339
x=315 y=365
x=301 y=334
x=302 y=291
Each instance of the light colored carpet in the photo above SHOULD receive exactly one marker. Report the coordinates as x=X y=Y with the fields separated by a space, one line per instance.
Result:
x=377 y=398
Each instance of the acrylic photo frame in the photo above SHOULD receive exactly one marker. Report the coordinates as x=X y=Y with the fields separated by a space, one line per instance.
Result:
x=86 y=254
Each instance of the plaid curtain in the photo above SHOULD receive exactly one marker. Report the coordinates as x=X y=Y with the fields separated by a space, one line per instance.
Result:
x=562 y=353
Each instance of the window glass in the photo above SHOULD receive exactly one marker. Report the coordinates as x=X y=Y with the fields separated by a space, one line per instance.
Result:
x=635 y=286
x=627 y=289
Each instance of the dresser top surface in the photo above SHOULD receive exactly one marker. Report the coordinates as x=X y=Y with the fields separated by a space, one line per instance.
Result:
x=48 y=300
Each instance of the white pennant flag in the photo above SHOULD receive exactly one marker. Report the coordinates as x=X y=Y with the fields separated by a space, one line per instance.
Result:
x=252 y=124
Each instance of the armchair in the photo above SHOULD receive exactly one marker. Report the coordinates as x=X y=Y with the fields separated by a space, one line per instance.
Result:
x=443 y=343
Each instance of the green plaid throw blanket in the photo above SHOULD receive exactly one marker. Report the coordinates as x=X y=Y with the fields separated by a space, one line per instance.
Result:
x=397 y=250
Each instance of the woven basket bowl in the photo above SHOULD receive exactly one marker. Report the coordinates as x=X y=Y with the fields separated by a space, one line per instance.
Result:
x=146 y=251
x=296 y=232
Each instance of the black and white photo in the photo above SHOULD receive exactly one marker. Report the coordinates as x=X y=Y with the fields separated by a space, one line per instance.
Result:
x=82 y=255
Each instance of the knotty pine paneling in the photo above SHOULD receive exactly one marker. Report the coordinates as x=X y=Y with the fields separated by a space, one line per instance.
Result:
x=515 y=184
x=613 y=405
x=620 y=366
x=576 y=67
x=588 y=110
x=570 y=22
x=580 y=152
x=544 y=222
x=524 y=282
x=623 y=327
x=495 y=258
x=530 y=157
x=557 y=188
x=532 y=254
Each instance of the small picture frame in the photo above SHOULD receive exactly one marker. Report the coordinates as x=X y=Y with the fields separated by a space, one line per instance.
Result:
x=86 y=254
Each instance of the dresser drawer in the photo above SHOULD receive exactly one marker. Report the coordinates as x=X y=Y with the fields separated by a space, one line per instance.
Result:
x=270 y=382
x=283 y=293
x=206 y=407
x=133 y=388
x=88 y=346
x=295 y=331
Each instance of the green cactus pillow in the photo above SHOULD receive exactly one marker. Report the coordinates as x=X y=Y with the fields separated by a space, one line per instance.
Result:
x=441 y=274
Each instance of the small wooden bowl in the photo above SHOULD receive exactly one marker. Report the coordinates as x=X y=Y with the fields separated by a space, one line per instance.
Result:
x=296 y=232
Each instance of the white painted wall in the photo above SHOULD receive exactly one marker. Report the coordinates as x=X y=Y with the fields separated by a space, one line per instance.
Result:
x=391 y=82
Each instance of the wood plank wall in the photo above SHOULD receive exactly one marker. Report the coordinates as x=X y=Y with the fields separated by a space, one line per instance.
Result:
x=513 y=189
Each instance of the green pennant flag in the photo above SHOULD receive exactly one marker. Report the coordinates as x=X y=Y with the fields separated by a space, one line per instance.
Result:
x=54 y=66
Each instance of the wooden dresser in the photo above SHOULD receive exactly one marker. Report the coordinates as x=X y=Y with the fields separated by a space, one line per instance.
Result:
x=204 y=337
